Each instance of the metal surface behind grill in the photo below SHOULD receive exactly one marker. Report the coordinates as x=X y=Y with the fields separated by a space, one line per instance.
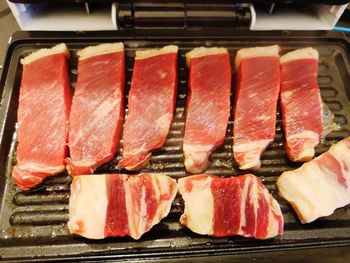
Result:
x=34 y=222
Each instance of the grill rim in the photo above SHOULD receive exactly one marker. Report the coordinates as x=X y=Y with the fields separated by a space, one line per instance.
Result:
x=38 y=39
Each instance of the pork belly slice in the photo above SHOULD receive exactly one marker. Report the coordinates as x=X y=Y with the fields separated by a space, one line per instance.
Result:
x=319 y=186
x=229 y=206
x=97 y=109
x=152 y=99
x=43 y=111
x=257 y=89
x=106 y=205
x=301 y=103
x=208 y=105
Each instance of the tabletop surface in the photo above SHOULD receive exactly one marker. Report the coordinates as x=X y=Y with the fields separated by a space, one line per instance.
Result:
x=8 y=26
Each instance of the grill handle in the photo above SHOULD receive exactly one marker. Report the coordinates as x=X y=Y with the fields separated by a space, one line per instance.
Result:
x=179 y=14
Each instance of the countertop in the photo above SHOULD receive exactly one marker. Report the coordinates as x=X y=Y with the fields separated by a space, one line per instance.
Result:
x=8 y=25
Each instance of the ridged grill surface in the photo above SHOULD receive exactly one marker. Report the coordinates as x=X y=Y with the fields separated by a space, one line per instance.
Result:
x=37 y=218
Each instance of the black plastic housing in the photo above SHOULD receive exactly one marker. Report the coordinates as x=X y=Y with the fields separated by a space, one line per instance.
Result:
x=33 y=223
x=324 y=2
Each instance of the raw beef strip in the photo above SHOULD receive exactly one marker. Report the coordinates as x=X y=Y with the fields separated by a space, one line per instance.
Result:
x=152 y=99
x=229 y=206
x=97 y=109
x=43 y=111
x=320 y=186
x=105 y=205
x=258 y=80
x=208 y=105
x=301 y=103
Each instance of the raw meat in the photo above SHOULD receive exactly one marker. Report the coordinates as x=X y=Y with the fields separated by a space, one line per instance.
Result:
x=43 y=111
x=105 y=205
x=152 y=99
x=229 y=206
x=320 y=186
x=208 y=105
x=258 y=80
x=301 y=103
x=97 y=109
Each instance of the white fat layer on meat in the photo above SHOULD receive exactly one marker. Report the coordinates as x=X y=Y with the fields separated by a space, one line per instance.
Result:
x=196 y=148
x=341 y=152
x=305 y=155
x=60 y=48
x=244 y=199
x=33 y=168
x=303 y=53
x=267 y=51
x=314 y=193
x=163 y=123
x=199 y=206
x=304 y=135
x=244 y=147
x=251 y=162
x=142 y=212
x=196 y=162
x=92 y=51
x=196 y=157
x=204 y=51
x=83 y=163
x=163 y=185
x=256 y=193
x=254 y=201
x=301 y=190
x=130 y=211
x=143 y=54
x=308 y=149
x=274 y=209
x=141 y=163
x=252 y=152
x=88 y=206
x=135 y=151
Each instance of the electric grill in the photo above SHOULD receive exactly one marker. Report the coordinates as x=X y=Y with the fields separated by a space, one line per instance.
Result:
x=33 y=223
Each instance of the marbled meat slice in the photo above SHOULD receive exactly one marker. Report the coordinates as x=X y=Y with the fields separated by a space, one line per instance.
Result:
x=105 y=205
x=258 y=86
x=319 y=186
x=208 y=105
x=301 y=103
x=151 y=104
x=43 y=112
x=97 y=108
x=229 y=206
